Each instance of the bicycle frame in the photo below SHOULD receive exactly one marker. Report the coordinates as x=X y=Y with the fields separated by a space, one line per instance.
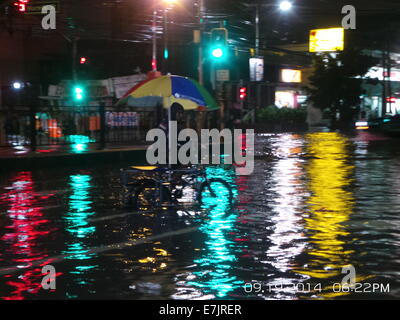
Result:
x=162 y=177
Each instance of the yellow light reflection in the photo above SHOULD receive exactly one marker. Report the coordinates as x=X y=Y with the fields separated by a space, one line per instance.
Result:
x=330 y=206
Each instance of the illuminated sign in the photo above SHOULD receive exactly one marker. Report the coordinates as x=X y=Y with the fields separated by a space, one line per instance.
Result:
x=285 y=99
x=291 y=75
x=380 y=74
x=256 y=69
x=327 y=40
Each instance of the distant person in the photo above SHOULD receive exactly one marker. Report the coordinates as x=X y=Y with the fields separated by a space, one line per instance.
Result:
x=177 y=112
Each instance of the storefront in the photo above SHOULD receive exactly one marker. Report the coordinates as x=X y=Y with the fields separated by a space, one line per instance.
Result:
x=289 y=92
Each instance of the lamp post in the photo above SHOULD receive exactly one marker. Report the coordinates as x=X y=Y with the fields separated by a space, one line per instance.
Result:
x=154 y=27
x=200 y=62
x=284 y=6
x=257 y=64
x=167 y=5
x=257 y=23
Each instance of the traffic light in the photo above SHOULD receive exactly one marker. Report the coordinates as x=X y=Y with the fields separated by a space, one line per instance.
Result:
x=78 y=93
x=154 y=64
x=242 y=93
x=218 y=48
x=21 y=5
x=82 y=60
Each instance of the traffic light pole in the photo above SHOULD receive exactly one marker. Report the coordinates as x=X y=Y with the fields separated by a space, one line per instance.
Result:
x=166 y=53
x=257 y=23
x=74 y=57
x=200 y=62
x=154 y=56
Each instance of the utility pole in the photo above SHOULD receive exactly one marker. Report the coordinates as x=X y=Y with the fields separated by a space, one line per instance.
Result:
x=201 y=26
x=154 y=57
x=257 y=24
x=166 y=52
x=389 y=70
x=74 y=57
x=383 y=99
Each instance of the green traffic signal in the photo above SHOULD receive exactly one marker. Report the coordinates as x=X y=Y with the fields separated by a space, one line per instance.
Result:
x=217 y=53
x=218 y=45
x=78 y=93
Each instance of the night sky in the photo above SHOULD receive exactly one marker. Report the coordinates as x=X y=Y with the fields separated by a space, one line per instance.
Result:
x=117 y=33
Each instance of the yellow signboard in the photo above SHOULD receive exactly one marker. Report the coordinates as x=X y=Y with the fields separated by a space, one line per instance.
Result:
x=327 y=40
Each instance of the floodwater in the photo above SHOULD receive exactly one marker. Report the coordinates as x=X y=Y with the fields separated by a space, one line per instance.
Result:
x=316 y=204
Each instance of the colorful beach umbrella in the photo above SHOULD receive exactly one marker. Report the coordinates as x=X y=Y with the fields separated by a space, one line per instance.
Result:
x=168 y=89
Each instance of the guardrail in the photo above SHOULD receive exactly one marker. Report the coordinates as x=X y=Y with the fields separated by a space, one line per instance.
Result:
x=45 y=126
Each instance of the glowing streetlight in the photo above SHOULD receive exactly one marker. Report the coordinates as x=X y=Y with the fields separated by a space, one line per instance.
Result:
x=285 y=5
x=17 y=85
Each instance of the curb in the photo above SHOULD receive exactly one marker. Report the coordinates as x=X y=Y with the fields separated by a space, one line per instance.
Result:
x=136 y=156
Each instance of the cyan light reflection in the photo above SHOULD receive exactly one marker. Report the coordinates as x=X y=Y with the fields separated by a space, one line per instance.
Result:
x=215 y=278
x=80 y=209
x=79 y=143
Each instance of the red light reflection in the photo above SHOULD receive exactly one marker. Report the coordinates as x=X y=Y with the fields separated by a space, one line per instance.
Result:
x=23 y=235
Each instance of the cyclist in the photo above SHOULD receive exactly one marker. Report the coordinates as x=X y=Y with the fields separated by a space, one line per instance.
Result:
x=176 y=115
x=177 y=112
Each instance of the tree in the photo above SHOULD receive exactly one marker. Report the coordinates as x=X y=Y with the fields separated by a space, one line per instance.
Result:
x=336 y=83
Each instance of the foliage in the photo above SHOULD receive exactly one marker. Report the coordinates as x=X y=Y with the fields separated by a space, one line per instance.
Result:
x=273 y=114
x=335 y=84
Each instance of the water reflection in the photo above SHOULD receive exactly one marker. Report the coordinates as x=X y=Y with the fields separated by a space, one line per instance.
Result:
x=77 y=225
x=329 y=207
x=214 y=277
x=287 y=231
x=23 y=235
x=314 y=204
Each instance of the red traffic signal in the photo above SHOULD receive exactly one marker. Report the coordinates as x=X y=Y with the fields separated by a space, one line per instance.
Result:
x=242 y=93
x=83 y=60
x=21 y=5
x=154 y=64
x=391 y=99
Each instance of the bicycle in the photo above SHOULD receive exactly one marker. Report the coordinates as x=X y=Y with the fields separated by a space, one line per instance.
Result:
x=151 y=186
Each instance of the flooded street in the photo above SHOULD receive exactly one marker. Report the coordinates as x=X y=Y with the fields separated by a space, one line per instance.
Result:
x=316 y=202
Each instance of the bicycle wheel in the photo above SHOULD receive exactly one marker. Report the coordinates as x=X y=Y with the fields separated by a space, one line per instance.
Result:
x=215 y=191
x=148 y=194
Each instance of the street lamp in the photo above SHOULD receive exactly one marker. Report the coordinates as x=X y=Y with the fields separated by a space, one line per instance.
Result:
x=154 y=28
x=17 y=85
x=285 y=5
x=167 y=4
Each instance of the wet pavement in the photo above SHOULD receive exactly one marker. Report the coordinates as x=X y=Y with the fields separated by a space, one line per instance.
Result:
x=315 y=203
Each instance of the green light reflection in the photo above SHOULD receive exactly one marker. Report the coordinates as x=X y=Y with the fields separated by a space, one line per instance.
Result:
x=217 y=258
x=80 y=209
